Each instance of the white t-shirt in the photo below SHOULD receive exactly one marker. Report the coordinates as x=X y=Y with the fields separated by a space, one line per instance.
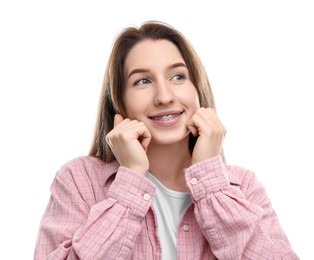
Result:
x=170 y=207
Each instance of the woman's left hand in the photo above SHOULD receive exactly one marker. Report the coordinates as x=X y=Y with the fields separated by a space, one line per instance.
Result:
x=205 y=124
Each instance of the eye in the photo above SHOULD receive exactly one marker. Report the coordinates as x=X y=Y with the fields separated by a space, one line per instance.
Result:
x=142 y=81
x=178 y=77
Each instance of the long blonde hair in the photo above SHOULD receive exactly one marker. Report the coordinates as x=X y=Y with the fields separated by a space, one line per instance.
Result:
x=111 y=98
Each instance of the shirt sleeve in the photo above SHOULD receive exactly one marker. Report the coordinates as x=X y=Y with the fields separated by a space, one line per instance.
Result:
x=237 y=226
x=70 y=229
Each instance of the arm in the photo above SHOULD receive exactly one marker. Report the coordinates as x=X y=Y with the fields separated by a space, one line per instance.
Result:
x=70 y=229
x=237 y=226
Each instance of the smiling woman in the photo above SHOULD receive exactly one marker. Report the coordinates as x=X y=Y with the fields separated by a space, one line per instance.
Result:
x=161 y=93
x=155 y=185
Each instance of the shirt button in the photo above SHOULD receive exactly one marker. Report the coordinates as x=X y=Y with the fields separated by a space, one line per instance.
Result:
x=186 y=228
x=146 y=196
x=194 y=181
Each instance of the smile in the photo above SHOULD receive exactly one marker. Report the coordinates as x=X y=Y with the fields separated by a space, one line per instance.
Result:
x=166 y=117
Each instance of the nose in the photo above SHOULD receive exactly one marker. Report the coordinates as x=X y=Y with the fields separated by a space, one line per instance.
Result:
x=164 y=94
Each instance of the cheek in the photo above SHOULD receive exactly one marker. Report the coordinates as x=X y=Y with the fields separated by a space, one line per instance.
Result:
x=197 y=102
x=128 y=105
x=134 y=106
x=192 y=99
x=193 y=102
x=194 y=106
x=131 y=110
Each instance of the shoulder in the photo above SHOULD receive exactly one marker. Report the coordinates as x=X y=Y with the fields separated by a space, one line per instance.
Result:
x=86 y=178
x=247 y=181
x=86 y=165
x=83 y=161
x=86 y=169
x=239 y=174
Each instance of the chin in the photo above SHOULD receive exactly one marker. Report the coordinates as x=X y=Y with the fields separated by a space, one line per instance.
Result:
x=165 y=139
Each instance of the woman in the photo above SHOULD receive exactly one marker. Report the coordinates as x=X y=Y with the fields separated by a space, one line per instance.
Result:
x=156 y=185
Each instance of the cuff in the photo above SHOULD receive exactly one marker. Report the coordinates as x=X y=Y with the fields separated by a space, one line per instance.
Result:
x=206 y=176
x=132 y=190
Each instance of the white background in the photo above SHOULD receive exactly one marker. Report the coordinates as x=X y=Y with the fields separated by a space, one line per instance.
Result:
x=259 y=57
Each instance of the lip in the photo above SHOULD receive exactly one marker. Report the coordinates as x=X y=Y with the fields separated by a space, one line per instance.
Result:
x=167 y=113
x=177 y=115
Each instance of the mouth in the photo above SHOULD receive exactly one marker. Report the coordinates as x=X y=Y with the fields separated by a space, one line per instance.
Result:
x=165 y=117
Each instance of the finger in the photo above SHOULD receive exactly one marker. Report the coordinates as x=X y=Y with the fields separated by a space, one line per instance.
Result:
x=192 y=128
x=145 y=139
x=142 y=133
x=117 y=119
x=216 y=120
x=210 y=115
x=194 y=123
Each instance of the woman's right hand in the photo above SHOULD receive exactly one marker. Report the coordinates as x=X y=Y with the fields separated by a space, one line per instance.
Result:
x=128 y=141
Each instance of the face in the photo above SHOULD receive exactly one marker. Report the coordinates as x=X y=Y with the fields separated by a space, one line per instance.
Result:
x=159 y=91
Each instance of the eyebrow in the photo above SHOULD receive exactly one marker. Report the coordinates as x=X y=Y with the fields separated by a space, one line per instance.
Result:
x=172 y=66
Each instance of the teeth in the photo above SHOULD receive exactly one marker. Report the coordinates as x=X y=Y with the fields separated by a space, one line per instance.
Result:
x=166 y=118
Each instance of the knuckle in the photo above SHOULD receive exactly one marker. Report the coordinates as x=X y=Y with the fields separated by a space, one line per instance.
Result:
x=108 y=138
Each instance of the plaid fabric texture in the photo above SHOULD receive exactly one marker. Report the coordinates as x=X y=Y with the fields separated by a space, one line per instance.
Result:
x=103 y=211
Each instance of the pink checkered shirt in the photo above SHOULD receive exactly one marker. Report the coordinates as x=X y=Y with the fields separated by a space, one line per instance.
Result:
x=103 y=211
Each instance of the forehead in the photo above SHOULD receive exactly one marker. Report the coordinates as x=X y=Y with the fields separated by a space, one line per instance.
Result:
x=150 y=53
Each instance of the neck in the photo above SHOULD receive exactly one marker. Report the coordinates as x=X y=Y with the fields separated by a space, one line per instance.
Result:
x=167 y=163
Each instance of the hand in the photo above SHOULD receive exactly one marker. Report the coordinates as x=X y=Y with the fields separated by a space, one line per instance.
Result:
x=205 y=124
x=128 y=141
